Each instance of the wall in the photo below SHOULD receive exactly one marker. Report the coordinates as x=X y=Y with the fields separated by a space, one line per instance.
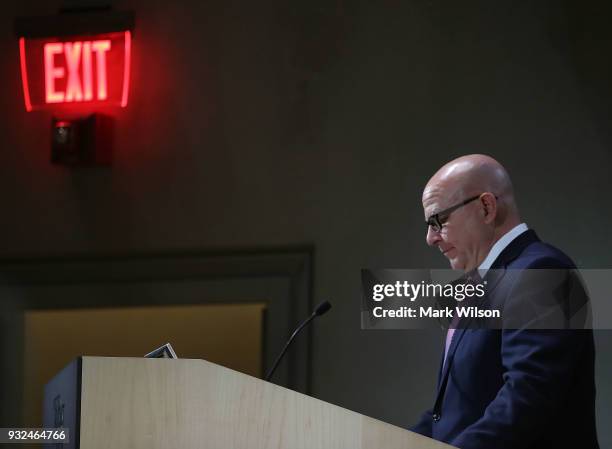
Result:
x=273 y=123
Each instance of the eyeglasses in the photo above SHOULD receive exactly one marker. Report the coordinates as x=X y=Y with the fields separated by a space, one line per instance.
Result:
x=436 y=221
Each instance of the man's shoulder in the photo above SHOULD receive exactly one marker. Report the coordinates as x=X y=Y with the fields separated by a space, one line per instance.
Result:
x=540 y=255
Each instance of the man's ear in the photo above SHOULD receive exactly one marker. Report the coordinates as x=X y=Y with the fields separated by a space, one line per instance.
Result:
x=489 y=207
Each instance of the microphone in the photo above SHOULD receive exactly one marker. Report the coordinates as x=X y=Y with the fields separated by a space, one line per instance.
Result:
x=318 y=311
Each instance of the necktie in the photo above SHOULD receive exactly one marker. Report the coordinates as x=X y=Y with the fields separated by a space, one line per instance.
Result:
x=470 y=277
x=449 y=338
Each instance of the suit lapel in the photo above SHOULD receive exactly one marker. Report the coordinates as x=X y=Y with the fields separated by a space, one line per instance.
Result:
x=457 y=336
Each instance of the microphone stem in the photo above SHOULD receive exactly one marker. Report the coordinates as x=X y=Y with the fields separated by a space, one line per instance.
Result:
x=280 y=356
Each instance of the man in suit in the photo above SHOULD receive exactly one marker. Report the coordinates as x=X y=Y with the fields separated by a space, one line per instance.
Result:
x=516 y=388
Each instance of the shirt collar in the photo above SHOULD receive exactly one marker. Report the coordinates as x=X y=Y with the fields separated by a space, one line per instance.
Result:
x=499 y=246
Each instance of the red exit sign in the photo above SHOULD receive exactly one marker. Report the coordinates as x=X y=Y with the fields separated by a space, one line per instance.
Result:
x=70 y=71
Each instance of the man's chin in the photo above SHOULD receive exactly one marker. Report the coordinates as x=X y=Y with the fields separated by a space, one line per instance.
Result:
x=457 y=264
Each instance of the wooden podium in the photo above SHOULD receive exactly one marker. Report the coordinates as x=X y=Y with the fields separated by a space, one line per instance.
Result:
x=136 y=403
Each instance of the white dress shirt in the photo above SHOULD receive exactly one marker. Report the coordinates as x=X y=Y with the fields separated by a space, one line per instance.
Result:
x=499 y=246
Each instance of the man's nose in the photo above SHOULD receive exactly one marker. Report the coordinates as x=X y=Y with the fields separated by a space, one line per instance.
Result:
x=433 y=237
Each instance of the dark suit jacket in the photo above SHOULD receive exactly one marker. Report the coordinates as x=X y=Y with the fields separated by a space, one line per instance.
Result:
x=517 y=389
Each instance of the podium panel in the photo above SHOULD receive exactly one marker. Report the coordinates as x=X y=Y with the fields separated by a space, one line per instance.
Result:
x=135 y=403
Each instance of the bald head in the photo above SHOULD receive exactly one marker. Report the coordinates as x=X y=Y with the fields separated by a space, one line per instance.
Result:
x=472 y=175
x=470 y=231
